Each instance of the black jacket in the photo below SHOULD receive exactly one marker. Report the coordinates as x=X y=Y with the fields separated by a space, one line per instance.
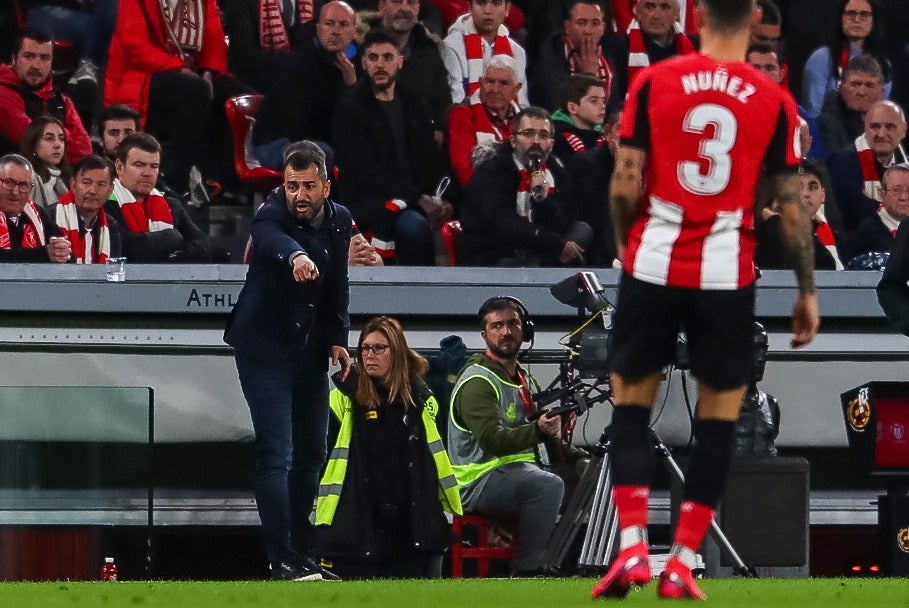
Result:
x=352 y=533
x=492 y=229
x=38 y=254
x=424 y=72
x=276 y=317
x=182 y=244
x=546 y=80
x=246 y=59
x=872 y=235
x=591 y=172
x=367 y=156
x=892 y=291
x=302 y=93
x=839 y=126
x=771 y=250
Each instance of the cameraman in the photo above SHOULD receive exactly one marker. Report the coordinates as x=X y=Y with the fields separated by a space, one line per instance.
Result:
x=496 y=453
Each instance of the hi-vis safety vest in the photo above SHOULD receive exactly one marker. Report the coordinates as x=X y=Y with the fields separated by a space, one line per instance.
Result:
x=469 y=461
x=333 y=480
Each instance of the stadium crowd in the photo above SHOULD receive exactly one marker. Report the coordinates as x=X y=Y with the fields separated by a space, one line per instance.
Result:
x=475 y=132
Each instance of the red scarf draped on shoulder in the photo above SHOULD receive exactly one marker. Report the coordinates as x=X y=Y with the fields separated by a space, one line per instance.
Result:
x=32 y=229
x=151 y=215
x=473 y=51
x=68 y=220
x=637 y=49
x=272 y=32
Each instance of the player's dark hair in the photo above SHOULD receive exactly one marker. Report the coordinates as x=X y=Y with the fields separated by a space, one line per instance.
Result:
x=727 y=15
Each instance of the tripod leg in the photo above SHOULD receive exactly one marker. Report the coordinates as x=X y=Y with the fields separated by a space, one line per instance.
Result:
x=603 y=523
x=572 y=519
x=715 y=531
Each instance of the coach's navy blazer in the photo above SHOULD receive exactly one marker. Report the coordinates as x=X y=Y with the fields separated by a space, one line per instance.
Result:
x=275 y=317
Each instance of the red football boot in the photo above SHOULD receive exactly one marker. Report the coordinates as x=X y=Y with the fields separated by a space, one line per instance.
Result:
x=628 y=570
x=678 y=584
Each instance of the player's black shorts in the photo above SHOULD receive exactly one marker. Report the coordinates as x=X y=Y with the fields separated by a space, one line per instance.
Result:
x=719 y=325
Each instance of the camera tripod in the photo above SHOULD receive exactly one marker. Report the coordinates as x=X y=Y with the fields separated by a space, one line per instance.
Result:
x=592 y=502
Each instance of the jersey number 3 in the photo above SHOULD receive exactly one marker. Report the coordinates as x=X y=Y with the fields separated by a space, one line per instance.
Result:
x=715 y=150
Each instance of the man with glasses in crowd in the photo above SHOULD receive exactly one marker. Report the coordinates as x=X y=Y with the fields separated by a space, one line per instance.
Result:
x=518 y=208
x=27 y=233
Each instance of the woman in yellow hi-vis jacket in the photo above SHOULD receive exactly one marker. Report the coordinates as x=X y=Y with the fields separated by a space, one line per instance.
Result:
x=388 y=478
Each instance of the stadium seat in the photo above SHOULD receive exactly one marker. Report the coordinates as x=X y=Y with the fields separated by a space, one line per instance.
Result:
x=450 y=232
x=241 y=115
x=482 y=551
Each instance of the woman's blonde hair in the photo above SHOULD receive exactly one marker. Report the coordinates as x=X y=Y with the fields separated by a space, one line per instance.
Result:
x=405 y=364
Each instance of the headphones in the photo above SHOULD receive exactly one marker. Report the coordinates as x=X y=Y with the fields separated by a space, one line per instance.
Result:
x=523 y=314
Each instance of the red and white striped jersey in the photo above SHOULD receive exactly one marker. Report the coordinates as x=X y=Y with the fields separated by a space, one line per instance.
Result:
x=708 y=128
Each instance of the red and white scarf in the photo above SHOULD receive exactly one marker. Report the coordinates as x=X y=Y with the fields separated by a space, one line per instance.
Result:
x=890 y=222
x=604 y=70
x=523 y=202
x=32 y=229
x=825 y=235
x=487 y=129
x=473 y=51
x=86 y=249
x=151 y=215
x=871 y=177
x=637 y=48
x=272 y=31
x=185 y=22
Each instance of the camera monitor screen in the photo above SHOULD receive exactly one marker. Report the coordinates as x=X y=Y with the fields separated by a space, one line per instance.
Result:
x=877 y=426
x=892 y=433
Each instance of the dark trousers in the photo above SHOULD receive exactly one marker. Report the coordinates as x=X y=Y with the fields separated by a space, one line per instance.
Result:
x=189 y=121
x=289 y=408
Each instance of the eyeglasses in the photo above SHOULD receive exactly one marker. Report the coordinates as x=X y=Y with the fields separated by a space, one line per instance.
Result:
x=376 y=349
x=897 y=190
x=11 y=184
x=543 y=134
x=859 y=15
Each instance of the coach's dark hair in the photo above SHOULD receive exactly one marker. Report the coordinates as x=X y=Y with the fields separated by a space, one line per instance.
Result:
x=138 y=139
x=532 y=112
x=379 y=35
x=35 y=32
x=301 y=155
x=117 y=111
x=726 y=15
x=93 y=162
x=577 y=85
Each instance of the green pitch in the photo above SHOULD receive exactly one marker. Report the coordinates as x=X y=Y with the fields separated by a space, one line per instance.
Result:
x=467 y=593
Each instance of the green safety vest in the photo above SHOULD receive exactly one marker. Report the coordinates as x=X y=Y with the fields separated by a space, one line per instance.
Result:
x=333 y=480
x=469 y=461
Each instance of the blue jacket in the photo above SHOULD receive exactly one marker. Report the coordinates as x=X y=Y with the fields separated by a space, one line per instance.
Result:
x=276 y=317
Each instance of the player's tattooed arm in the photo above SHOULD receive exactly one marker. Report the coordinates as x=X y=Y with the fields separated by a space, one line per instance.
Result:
x=797 y=230
x=625 y=192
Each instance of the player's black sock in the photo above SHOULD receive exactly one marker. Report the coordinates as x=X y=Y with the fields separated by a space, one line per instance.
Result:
x=631 y=452
x=710 y=461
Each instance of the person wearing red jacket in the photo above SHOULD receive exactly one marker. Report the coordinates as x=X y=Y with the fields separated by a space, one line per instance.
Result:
x=168 y=60
x=27 y=92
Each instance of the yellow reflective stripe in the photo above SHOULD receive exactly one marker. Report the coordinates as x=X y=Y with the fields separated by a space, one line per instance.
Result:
x=452 y=417
x=468 y=473
x=333 y=480
x=449 y=491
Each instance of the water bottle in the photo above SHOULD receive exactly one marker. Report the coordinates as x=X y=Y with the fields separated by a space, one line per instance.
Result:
x=109 y=570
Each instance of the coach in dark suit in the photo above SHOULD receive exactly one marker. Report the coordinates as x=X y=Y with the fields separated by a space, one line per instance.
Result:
x=291 y=316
